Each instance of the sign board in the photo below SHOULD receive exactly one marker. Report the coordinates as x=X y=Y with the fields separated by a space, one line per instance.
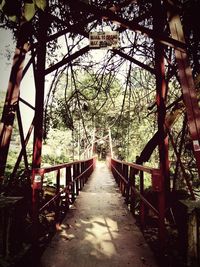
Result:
x=104 y=40
x=38 y=179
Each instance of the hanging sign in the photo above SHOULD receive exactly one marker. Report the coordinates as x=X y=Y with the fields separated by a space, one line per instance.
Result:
x=104 y=40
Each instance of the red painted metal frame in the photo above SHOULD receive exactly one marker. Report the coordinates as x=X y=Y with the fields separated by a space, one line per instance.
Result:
x=40 y=88
x=186 y=80
x=176 y=42
x=124 y=174
x=161 y=96
x=132 y=25
x=11 y=104
x=76 y=176
x=122 y=171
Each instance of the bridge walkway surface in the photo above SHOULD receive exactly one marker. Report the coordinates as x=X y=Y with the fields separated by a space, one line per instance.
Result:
x=98 y=230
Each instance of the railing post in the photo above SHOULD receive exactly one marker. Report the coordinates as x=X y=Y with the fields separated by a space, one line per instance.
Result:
x=117 y=166
x=161 y=96
x=83 y=176
x=75 y=174
x=68 y=180
x=128 y=184
x=158 y=186
x=73 y=185
x=121 y=181
x=36 y=188
x=132 y=186
x=57 y=212
x=78 y=180
x=142 y=207
x=125 y=174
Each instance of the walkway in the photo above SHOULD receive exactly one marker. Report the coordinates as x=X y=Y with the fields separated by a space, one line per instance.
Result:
x=98 y=231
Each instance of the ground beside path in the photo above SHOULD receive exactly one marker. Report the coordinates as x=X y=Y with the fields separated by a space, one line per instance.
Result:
x=98 y=231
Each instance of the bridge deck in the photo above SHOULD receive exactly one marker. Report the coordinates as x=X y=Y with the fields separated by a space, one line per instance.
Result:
x=99 y=230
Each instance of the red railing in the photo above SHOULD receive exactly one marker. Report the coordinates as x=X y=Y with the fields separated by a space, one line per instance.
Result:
x=130 y=178
x=75 y=176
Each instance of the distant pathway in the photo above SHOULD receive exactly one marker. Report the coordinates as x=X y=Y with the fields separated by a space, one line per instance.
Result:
x=98 y=231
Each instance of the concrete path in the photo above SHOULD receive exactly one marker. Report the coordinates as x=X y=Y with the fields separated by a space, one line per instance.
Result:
x=98 y=231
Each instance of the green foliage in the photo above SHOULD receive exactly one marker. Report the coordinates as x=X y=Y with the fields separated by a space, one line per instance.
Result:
x=12 y=9
x=100 y=102
x=57 y=147
x=84 y=99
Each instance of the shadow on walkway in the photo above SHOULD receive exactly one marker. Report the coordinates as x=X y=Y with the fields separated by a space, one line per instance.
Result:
x=98 y=230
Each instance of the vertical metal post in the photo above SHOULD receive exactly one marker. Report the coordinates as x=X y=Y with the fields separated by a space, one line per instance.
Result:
x=132 y=186
x=128 y=184
x=125 y=175
x=142 y=211
x=74 y=182
x=39 y=108
x=78 y=172
x=75 y=175
x=23 y=144
x=158 y=25
x=68 y=180
x=57 y=213
x=120 y=179
x=40 y=87
x=83 y=176
x=117 y=166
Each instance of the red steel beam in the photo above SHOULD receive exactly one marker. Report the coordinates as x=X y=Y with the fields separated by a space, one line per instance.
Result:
x=187 y=82
x=40 y=87
x=21 y=132
x=11 y=104
x=161 y=92
x=39 y=69
x=104 y=13
x=21 y=152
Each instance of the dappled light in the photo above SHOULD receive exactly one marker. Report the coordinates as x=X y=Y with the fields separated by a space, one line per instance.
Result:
x=98 y=230
x=102 y=235
x=99 y=133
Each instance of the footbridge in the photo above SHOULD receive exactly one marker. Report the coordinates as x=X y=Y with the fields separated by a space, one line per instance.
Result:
x=132 y=69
